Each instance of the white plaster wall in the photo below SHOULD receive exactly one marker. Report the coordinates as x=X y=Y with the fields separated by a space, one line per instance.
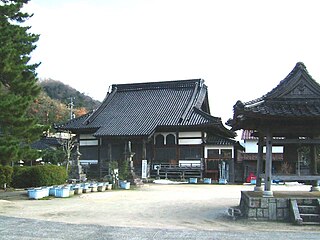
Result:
x=252 y=147
x=190 y=141
x=88 y=142
x=86 y=136
x=190 y=134
x=88 y=162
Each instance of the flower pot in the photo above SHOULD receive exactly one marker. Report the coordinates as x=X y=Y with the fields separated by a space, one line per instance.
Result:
x=71 y=192
x=52 y=191
x=124 y=185
x=78 y=190
x=35 y=193
x=193 y=180
x=62 y=192
x=101 y=188
x=85 y=187
x=93 y=187
x=223 y=181
x=207 y=180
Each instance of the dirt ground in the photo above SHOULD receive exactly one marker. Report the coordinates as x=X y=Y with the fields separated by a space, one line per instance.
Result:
x=183 y=206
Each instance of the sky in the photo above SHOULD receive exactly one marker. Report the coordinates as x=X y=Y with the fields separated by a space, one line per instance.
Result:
x=242 y=49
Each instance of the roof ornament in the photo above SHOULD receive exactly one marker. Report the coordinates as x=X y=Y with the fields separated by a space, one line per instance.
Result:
x=301 y=66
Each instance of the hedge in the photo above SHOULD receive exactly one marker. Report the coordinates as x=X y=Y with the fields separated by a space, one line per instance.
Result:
x=5 y=175
x=37 y=176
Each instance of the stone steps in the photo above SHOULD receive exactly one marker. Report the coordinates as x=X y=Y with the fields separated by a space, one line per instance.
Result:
x=306 y=211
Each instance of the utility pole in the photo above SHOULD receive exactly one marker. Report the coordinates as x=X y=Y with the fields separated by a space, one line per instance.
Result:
x=71 y=104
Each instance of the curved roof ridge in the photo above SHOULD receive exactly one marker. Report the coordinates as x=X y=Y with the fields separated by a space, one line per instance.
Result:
x=74 y=120
x=206 y=115
x=104 y=104
x=255 y=101
x=156 y=85
x=190 y=104
x=201 y=97
x=291 y=79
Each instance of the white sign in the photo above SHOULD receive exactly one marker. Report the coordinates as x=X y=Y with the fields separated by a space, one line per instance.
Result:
x=144 y=168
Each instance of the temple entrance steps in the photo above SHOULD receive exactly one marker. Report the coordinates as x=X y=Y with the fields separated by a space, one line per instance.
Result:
x=306 y=211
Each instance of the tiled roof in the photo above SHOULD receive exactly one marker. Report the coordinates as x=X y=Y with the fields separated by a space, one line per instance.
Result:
x=74 y=124
x=216 y=140
x=251 y=135
x=138 y=109
x=247 y=135
x=296 y=96
x=45 y=143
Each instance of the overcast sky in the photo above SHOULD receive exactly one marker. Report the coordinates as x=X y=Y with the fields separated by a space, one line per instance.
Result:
x=242 y=49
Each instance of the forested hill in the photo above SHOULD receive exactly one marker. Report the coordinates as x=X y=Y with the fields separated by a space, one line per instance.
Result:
x=62 y=92
x=53 y=103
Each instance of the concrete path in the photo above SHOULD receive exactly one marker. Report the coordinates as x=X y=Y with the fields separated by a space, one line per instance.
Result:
x=153 y=212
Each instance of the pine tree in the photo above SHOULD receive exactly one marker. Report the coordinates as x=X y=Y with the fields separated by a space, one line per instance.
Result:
x=18 y=83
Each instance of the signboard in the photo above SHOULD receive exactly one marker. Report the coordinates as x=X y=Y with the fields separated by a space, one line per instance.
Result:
x=144 y=169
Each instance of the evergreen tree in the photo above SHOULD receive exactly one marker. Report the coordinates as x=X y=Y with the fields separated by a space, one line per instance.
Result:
x=18 y=83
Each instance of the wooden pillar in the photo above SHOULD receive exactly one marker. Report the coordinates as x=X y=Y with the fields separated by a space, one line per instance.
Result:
x=144 y=149
x=110 y=152
x=258 y=187
x=314 y=171
x=268 y=168
x=100 y=160
x=144 y=166
x=109 y=157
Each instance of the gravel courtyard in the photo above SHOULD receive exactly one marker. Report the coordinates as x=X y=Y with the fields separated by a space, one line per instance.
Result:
x=154 y=206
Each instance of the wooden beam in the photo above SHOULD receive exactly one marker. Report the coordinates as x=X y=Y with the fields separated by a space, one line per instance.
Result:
x=295 y=177
x=295 y=141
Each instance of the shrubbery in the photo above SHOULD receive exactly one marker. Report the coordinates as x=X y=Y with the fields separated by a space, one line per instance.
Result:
x=37 y=176
x=5 y=175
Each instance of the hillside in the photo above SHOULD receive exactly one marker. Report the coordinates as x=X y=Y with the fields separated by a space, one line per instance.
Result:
x=62 y=92
x=53 y=103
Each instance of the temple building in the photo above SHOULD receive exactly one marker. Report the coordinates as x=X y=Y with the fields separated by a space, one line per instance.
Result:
x=164 y=124
x=287 y=116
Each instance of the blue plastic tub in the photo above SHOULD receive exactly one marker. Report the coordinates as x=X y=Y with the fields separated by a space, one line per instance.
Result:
x=124 y=185
x=193 y=180
x=52 y=191
x=207 y=180
x=223 y=181
x=38 y=193
x=62 y=192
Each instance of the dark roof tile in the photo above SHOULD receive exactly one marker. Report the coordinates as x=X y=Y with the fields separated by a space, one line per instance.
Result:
x=138 y=109
x=297 y=95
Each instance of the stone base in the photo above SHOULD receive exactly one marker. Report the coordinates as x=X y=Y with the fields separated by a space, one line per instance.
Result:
x=264 y=208
x=267 y=194
x=258 y=189
x=315 y=189
x=254 y=206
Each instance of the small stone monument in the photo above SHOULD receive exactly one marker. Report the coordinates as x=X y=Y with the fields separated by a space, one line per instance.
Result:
x=76 y=168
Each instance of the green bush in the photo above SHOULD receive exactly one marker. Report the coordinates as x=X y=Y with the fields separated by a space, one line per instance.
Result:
x=5 y=175
x=124 y=172
x=21 y=177
x=37 y=176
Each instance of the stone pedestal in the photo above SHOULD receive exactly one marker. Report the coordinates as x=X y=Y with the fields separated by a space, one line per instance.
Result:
x=264 y=209
x=258 y=189
x=76 y=168
x=267 y=194
x=315 y=189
